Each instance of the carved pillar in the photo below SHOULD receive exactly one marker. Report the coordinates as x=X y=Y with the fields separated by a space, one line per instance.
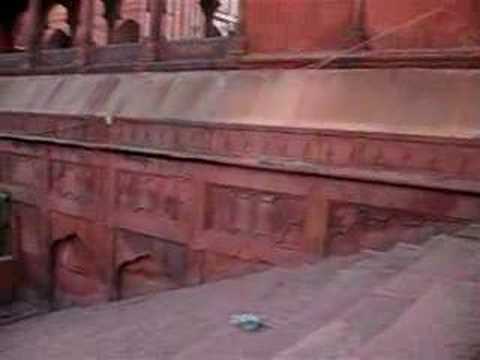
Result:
x=238 y=42
x=83 y=38
x=242 y=12
x=36 y=29
x=154 y=41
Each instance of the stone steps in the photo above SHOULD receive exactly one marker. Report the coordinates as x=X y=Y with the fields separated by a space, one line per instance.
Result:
x=269 y=298
x=412 y=302
x=444 y=258
x=292 y=318
x=441 y=325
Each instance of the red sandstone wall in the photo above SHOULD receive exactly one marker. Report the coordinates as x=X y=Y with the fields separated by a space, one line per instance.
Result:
x=453 y=23
x=92 y=226
x=281 y=25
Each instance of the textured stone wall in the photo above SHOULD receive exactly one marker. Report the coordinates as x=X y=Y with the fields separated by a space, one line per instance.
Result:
x=280 y=25
x=305 y=25
x=300 y=25
x=433 y=24
x=136 y=206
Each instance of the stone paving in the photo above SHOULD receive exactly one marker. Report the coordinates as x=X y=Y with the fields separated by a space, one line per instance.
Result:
x=412 y=302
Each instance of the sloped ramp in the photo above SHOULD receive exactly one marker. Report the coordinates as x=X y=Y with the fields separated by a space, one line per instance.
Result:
x=418 y=102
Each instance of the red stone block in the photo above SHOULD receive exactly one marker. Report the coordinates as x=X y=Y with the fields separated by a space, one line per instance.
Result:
x=301 y=25
x=423 y=24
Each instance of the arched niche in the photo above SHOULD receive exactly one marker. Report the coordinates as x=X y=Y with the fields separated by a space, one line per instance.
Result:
x=128 y=31
x=146 y=264
x=75 y=279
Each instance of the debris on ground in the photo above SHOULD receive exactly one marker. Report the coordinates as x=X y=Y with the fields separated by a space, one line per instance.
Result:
x=247 y=322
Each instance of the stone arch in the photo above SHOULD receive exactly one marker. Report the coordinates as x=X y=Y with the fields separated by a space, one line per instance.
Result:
x=126 y=283
x=127 y=32
x=145 y=264
x=74 y=275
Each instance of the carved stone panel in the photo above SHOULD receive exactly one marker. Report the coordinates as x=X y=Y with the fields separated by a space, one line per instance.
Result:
x=254 y=220
x=353 y=227
x=334 y=149
x=149 y=194
x=75 y=188
x=73 y=182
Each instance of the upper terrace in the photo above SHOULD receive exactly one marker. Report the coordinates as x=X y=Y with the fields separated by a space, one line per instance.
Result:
x=59 y=36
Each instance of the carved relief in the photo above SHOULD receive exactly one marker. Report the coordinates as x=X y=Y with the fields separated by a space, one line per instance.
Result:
x=353 y=227
x=321 y=149
x=140 y=134
x=73 y=182
x=194 y=139
x=161 y=196
x=330 y=151
x=240 y=142
x=220 y=142
x=277 y=217
x=275 y=145
x=145 y=264
x=165 y=136
x=327 y=150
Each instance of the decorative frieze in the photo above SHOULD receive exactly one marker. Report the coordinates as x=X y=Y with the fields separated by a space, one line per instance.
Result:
x=335 y=150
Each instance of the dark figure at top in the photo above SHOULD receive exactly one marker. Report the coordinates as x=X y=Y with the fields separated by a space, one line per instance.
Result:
x=209 y=7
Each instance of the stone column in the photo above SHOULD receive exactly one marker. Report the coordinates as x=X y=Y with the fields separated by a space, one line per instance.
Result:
x=154 y=41
x=238 y=42
x=35 y=34
x=242 y=12
x=83 y=36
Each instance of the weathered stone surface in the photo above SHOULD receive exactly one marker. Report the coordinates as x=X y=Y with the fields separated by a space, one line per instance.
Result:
x=440 y=322
x=425 y=24
x=470 y=232
x=426 y=102
x=324 y=25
